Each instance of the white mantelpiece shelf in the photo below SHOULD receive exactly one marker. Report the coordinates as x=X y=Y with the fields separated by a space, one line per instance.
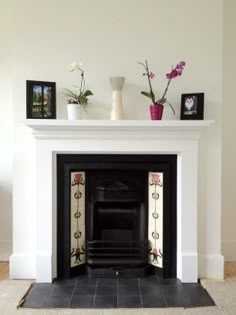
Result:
x=135 y=129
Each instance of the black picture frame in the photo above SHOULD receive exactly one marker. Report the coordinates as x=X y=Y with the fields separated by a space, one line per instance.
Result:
x=40 y=100
x=192 y=106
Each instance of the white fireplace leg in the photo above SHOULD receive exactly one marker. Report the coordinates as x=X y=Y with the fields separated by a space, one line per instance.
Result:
x=44 y=215
x=187 y=258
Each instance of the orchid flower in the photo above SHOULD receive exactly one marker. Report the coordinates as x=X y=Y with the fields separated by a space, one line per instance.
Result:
x=75 y=66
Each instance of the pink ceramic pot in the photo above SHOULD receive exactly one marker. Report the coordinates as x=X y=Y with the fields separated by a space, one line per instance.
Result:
x=156 y=111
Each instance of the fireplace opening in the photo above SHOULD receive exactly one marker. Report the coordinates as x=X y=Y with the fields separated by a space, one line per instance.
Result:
x=117 y=224
x=116 y=215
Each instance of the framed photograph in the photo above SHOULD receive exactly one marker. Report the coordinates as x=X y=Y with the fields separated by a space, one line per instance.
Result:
x=192 y=106
x=40 y=100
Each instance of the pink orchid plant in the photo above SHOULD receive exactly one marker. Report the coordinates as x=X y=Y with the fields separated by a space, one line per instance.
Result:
x=174 y=73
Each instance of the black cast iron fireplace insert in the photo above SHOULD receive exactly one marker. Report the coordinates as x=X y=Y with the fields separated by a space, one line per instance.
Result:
x=116 y=214
x=117 y=226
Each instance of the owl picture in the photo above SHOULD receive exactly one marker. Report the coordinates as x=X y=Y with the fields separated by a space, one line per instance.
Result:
x=190 y=105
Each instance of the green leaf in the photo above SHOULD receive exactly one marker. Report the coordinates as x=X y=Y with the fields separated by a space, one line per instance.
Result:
x=152 y=97
x=83 y=100
x=88 y=93
x=72 y=96
x=161 y=101
x=149 y=95
x=77 y=97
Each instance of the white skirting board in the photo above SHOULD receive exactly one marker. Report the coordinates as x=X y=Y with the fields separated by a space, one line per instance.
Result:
x=5 y=250
x=22 y=266
x=211 y=266
x=229 y=250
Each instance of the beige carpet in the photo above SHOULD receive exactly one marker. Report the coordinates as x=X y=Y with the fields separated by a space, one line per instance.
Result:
x=222 y=292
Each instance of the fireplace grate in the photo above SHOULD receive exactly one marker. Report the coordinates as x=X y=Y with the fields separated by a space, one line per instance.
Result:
x=117 y=253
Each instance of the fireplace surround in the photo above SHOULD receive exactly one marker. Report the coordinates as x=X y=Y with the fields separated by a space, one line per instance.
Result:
x=53 y=137
x=124 y=235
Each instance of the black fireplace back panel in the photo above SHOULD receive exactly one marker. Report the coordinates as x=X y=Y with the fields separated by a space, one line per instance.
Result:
x=116 y=222
x=116 y=218
x=116 y=210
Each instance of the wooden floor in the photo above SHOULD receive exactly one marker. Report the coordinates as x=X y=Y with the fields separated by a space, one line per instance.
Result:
x=4 y=270
x=230 y=270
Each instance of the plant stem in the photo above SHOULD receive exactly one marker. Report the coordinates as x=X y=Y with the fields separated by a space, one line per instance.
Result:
x=149 y=81
x=82 y=82
x=167 y=86
x=171 y=107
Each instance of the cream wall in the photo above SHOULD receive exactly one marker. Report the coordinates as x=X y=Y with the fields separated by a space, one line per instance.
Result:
x=228 y=134
x=110 y=37
x=6 y=139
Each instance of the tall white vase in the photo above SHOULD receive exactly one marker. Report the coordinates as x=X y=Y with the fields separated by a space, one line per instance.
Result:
x=117 y=105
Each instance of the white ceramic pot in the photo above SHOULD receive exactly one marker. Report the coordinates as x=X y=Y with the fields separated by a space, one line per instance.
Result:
x=74 y=111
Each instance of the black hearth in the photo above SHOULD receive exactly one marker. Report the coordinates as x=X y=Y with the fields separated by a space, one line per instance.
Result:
x=116 y=214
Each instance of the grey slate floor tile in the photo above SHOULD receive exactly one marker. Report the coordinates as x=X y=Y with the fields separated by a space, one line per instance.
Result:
x=82 y=301
x=105 y=301
x=130 y=301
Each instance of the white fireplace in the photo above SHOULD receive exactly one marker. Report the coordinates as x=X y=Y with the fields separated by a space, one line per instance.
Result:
x=111 y=137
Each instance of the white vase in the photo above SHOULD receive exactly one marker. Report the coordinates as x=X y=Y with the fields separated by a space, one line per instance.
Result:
x=117 y=106
x=74 y=111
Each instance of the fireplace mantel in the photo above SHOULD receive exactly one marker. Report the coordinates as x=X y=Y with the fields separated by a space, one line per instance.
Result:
x=121 y=129
x=138 y=137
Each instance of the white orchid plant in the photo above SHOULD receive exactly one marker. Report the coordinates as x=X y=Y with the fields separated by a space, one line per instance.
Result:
x=79 y=95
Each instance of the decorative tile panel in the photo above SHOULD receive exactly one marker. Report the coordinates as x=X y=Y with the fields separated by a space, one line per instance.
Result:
x=77 y=210
x=155 y=218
